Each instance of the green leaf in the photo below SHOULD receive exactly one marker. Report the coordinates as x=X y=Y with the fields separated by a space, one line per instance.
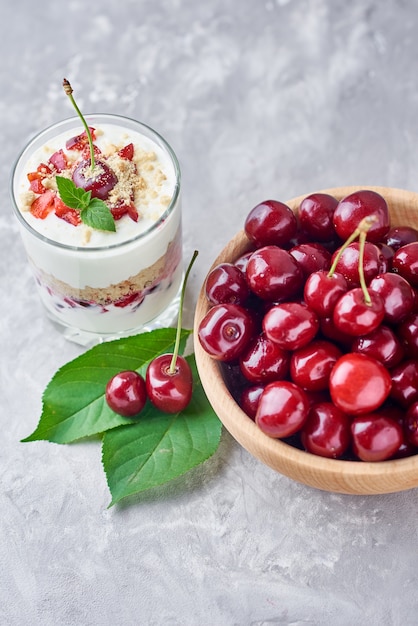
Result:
x=72 y=196
x=74 y=404
x=98 y=215
x=160 y=447
x=93 y=211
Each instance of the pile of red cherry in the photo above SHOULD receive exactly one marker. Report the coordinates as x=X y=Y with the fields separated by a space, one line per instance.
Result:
x=316 y=326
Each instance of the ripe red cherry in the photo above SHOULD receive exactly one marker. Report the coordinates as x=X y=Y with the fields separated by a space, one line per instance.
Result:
x=354 y=207
x=100 y=182
x=226 y=283
x=311 y=257
x=291 y=325
x=407 y=332
x=375 y=437
x=359 y=384
x=270 y=223
x=264 y=361
x=310 y=366
x=273 y=274
x=322 y=291
x=397 y=295
x=225 y=331
x=334 y=334
x=169 y=388
x=250 y=398
x=282 y=409
x=126 y=393
x=400 y=235
x=405 y=383
x=354 y=316
x=411 y=424
x=348 y=265
x=315 y=215
x=326 y=431
x=405 y=262
x=381 y=344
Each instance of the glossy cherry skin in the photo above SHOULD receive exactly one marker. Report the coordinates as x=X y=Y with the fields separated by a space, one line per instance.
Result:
x=387 y=253
x=225 y=331
x=100 y=184
x=270 y=223
x=407 y=332
x=250 y=398
x=375 y=437
x=226 y=283
x=282 y=409
x=315 y=216
x=348 y=265
x=311 y=257
x=126 y=393
x=331 y=332
x=242 y=262
x=353 y=316
x=264 y=361
x=326 y=431
x=310 y=366
x=354 y=207
x=291 y=325
x=411 y=424
x=405 y=383
x=359 y=384
x=273 y=274
x=405 y=262
x=381 y=344
x=397 y=295
x=321 y=291
x=168 y=391
x=399 y=236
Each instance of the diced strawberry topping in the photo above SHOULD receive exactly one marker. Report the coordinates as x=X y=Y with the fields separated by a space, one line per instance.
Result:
x=43 y=169
x=72 y=216
x=43 y=204
x=132 y=212
x=36 y=185
x=120 y=210
x=80 y=141
x=127 y=152
x=86 y=152
x=59 y=161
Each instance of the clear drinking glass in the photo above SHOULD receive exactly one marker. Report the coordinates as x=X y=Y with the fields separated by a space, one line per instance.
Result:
x=115 y=288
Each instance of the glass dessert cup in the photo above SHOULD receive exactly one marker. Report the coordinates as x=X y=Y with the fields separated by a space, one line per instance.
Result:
x=116 y=288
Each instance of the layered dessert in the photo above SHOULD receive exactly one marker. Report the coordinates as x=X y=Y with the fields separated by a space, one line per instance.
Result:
x=93 y=279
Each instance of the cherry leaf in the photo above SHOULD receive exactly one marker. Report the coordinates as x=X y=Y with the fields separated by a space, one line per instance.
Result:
x=160 y=447
x=74 y=404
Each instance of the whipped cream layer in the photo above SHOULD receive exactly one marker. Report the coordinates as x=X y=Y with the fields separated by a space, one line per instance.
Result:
x=106 y=282
x=154 y=167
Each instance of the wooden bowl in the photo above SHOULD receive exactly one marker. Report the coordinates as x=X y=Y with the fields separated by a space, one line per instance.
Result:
x=350 y=477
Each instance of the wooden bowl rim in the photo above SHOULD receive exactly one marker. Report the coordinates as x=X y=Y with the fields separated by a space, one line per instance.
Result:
x=354 y=477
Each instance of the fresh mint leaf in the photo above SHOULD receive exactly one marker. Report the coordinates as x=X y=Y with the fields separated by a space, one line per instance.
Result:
x=160 y=447
x=98 y=215
x=93 y=211
x=72 y=196
x=74 y=404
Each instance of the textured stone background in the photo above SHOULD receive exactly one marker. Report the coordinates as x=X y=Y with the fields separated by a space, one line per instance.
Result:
x=259 y=99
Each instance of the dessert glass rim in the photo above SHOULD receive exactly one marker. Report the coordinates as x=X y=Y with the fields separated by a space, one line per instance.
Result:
x=104 y=117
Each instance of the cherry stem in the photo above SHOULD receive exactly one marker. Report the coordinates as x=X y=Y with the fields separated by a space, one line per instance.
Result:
x=69 y=91
x=172 y=368
x=364 y=226
x=362 y=242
